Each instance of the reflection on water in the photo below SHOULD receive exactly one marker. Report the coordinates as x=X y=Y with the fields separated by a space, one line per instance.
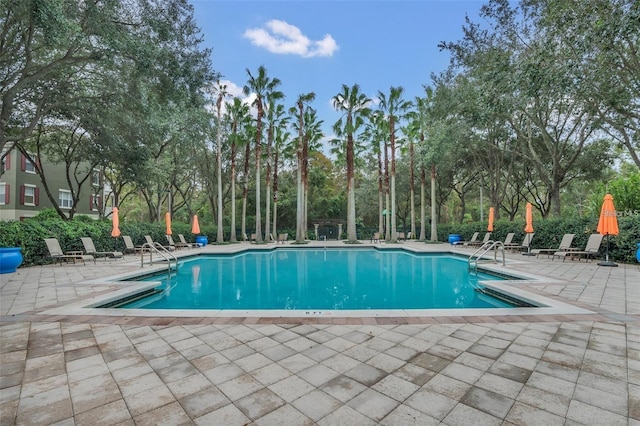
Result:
x=324 y=280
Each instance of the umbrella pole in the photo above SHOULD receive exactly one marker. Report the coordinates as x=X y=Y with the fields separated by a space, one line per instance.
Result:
x=607 y=262
x=528 y=253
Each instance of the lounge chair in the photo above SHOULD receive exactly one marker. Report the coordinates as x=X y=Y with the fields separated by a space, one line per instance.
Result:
x=56 y=253
x=173 y=244
x=400 y=236
x=157 y=245
x=508 y=241
x=130 y=247
x=565 y=245
x=184 y=242
x=282 y=238
x=591 y=249
x=253 y=238
x=375 y=238
x=526 y=242
x=90 y=249
x=477 y=243
x=473 y=240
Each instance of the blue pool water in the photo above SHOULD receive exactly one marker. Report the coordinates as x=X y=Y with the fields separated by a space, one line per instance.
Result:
x=308 y=279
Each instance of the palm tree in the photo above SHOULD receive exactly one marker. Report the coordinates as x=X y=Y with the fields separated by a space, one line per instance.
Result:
x=275 y=114
x=303 y=99
x=238 y=116
x=418 y=126
x=249 y=132
x=281 y=140
x=262 y=86
x=354 y=106
x=222 y=93
x=312 y=135
x=376 y=132
x=395 y=108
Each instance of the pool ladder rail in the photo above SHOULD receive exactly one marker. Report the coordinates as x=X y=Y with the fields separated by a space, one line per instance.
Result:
x=484 y=249
x=158 y=249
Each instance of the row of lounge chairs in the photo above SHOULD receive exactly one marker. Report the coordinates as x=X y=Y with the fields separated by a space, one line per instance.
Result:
x=564 y=249
x=91 y=253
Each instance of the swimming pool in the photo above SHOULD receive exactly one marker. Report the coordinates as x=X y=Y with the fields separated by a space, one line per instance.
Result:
x=320 y=279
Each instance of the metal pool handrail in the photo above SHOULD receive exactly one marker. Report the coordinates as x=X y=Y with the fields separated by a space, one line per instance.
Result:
x=166 y=254
x=489 y=245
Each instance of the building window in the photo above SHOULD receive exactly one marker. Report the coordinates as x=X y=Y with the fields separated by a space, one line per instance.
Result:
x=6 y=162
x=64 y=199
x=4 y=194
x=26 y=165
x=94 y=202
x=29 y=195
x=95 y=178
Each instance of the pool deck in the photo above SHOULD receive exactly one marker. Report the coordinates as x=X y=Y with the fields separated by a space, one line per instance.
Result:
x=58 y=367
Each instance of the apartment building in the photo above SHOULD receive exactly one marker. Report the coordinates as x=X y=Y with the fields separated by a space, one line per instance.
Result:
x=22 y=193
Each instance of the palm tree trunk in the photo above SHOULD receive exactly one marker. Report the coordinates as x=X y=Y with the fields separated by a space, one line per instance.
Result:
x=434 y=224
x=305 y=187
x=380 y=195
x=220 y=236
x=300 y=237
x=394 y=233
x=245 y=190
x=423 y=204
x=258 y=209
x=258 y=159
x=387 y=235
x=351 y=193
x=412 y=189
x=275 y=193
x=233 y=238
x=267 y=213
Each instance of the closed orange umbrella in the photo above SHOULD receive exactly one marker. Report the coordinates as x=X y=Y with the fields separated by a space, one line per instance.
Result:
x=195 y=226
x=490 y=225
x=167 y=220
x=115 y=225
x=608 y=225
x=528 y=217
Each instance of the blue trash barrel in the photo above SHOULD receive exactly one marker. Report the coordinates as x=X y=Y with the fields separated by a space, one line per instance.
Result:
x=202 y=240
x=454 y=238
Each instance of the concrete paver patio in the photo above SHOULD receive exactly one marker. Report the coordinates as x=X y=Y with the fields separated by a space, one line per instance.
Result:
x=453 y=370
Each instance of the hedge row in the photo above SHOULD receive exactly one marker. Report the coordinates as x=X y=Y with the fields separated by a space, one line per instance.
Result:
x=30 y=234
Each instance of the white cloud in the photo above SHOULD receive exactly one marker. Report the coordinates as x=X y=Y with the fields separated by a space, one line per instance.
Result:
x=283 y=38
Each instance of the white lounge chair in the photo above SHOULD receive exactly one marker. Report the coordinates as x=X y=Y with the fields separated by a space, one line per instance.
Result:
x=473 y=240
x=56 y=253
x=479 y=243
x=157 y=245
x=130 y=247
x=526 y=242
x=565 y=245
x=591 y=249
x=184 y=243
x=90 y=249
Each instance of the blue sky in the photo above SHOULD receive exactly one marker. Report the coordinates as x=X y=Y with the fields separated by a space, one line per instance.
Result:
x=316 y=46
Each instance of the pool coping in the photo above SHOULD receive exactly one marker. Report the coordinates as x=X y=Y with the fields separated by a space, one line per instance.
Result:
x=544 y=305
